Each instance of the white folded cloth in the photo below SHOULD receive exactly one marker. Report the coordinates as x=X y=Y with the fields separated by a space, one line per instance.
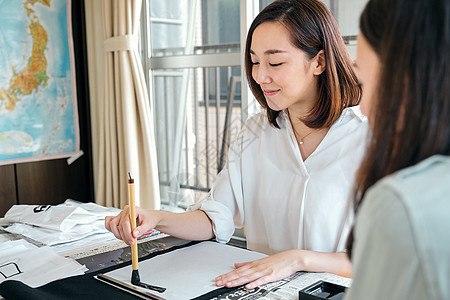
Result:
x=53 y=225
x=60 y=217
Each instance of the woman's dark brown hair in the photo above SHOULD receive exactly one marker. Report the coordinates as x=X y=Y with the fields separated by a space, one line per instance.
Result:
x=411 y=119
x=312 y=28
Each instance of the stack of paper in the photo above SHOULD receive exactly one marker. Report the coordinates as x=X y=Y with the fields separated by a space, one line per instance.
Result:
x=22 y=261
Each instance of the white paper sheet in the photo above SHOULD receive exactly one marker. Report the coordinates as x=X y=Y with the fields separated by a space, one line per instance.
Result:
x=188 y=272
x=34 y=266
x=87 y=243
x=9 y=248
x=4 y=237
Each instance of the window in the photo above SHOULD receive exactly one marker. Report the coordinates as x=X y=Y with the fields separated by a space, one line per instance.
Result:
x=193 y=62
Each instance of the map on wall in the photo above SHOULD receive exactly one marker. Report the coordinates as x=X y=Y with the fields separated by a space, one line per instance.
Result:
x=38 y=109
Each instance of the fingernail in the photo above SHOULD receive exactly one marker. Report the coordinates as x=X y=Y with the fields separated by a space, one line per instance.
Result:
x=249 y=286
x=136 y=233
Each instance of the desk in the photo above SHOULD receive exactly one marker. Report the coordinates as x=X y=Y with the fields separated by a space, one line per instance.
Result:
x=110 y=259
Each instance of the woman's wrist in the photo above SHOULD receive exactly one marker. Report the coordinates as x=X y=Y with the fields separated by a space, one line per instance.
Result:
x=301 y=259
x=312 y=261
x=159 y=218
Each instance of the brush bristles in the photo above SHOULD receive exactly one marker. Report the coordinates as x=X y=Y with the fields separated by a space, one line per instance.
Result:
x=135 y=279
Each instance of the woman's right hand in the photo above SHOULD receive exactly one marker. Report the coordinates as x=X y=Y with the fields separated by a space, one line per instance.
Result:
x=120 y=225
x=193 y=225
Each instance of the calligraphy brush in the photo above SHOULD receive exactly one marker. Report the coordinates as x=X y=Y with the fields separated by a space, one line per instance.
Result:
x=135 y=278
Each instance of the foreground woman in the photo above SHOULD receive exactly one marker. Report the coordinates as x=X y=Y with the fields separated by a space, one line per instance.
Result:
x=401 y=246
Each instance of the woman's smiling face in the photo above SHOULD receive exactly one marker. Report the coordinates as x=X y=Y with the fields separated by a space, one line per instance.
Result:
x=284 y=72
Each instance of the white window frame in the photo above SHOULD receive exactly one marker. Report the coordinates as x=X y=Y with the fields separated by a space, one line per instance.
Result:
x=248 y=11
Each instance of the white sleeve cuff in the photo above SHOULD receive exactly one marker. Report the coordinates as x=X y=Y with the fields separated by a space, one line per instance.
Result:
x=221 y=218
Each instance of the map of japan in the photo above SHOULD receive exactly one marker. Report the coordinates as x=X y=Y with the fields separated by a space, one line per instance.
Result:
x=35 y=72
x=38 y=116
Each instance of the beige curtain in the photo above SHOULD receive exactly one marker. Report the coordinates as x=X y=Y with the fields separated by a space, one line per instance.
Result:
x=123 y=135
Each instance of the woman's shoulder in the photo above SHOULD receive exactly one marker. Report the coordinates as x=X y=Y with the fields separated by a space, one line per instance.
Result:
x=425 y=179
x=258 y=123
x=417 y=195
x=352 y=124
x=414 y=188
x=352 y=114
x=257 y=128
x=410 y=210
x=349 y=131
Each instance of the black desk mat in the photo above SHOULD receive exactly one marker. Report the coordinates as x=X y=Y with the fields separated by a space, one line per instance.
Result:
x=86 y=286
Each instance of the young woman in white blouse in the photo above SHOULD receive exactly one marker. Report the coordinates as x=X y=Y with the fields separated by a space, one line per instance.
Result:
x=290 y=173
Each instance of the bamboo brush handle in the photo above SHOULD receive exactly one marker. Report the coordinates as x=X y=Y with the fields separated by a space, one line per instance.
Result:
x=134 y=250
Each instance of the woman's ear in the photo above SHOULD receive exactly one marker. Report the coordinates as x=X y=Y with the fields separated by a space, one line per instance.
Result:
x=319 y=63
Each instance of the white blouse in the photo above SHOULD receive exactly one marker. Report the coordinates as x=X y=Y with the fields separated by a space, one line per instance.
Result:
x=285 y=202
